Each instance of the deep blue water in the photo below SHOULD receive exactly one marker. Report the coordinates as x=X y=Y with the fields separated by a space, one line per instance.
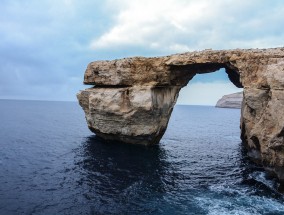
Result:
x=50 y=163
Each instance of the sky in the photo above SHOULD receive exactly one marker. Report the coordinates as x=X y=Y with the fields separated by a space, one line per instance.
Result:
x=46 y=45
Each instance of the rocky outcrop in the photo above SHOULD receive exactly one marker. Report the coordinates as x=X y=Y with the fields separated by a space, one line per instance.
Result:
x=233 y=100
x=132 y=99
x=137 y=114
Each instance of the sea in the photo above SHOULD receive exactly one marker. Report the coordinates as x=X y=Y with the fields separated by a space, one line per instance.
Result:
x=50 y=163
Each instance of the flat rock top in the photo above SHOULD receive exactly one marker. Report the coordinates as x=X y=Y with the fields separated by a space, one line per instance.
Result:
x=159 y=70
x=205 y=55
x=214 y=56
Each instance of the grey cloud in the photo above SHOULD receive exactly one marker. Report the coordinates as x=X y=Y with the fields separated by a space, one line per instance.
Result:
x=44 y=47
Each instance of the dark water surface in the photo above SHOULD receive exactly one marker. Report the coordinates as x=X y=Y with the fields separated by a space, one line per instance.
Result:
x=50 y=163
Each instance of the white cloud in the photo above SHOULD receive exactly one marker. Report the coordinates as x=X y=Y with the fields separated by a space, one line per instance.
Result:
x=205 y=93
x=185 y=25
x=44 y=47
x=179 y=48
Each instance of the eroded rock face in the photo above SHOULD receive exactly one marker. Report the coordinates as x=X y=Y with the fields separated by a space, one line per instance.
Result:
x=233 y=100
x=137 y=114
x=133 y=98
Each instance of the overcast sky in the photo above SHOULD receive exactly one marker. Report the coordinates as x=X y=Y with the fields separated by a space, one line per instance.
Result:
x=46 y=45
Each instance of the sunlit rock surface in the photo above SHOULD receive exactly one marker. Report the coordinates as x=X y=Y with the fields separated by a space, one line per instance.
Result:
x=233 y=100
x=132 y=98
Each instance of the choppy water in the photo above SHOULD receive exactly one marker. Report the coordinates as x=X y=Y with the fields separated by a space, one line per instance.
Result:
x=50 y=163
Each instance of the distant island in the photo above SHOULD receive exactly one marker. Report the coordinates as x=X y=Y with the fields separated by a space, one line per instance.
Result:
x=233 y=100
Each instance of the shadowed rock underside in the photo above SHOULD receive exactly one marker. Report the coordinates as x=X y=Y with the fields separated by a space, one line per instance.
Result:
x=132 y=98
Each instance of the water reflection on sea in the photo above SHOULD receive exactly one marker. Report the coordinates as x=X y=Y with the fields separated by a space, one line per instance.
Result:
x=50 y=163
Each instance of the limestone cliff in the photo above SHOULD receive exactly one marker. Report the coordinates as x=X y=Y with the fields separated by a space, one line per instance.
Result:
x=132 y=98
x=233 y=100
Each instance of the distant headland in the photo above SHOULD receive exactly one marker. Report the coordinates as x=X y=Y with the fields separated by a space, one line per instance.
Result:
x=233 y=100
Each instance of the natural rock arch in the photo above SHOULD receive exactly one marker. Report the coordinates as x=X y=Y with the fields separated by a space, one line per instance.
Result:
x=133 y=98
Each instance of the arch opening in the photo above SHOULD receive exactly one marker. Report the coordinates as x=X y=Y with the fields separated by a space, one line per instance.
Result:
x=182 y=74
x=208 y=88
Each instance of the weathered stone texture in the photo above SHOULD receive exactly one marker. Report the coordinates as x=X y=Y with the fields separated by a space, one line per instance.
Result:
x=137 y=114
x=133 y=97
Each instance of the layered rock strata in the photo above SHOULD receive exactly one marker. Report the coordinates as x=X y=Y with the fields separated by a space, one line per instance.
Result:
x=132 y=98
x=233 y=100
